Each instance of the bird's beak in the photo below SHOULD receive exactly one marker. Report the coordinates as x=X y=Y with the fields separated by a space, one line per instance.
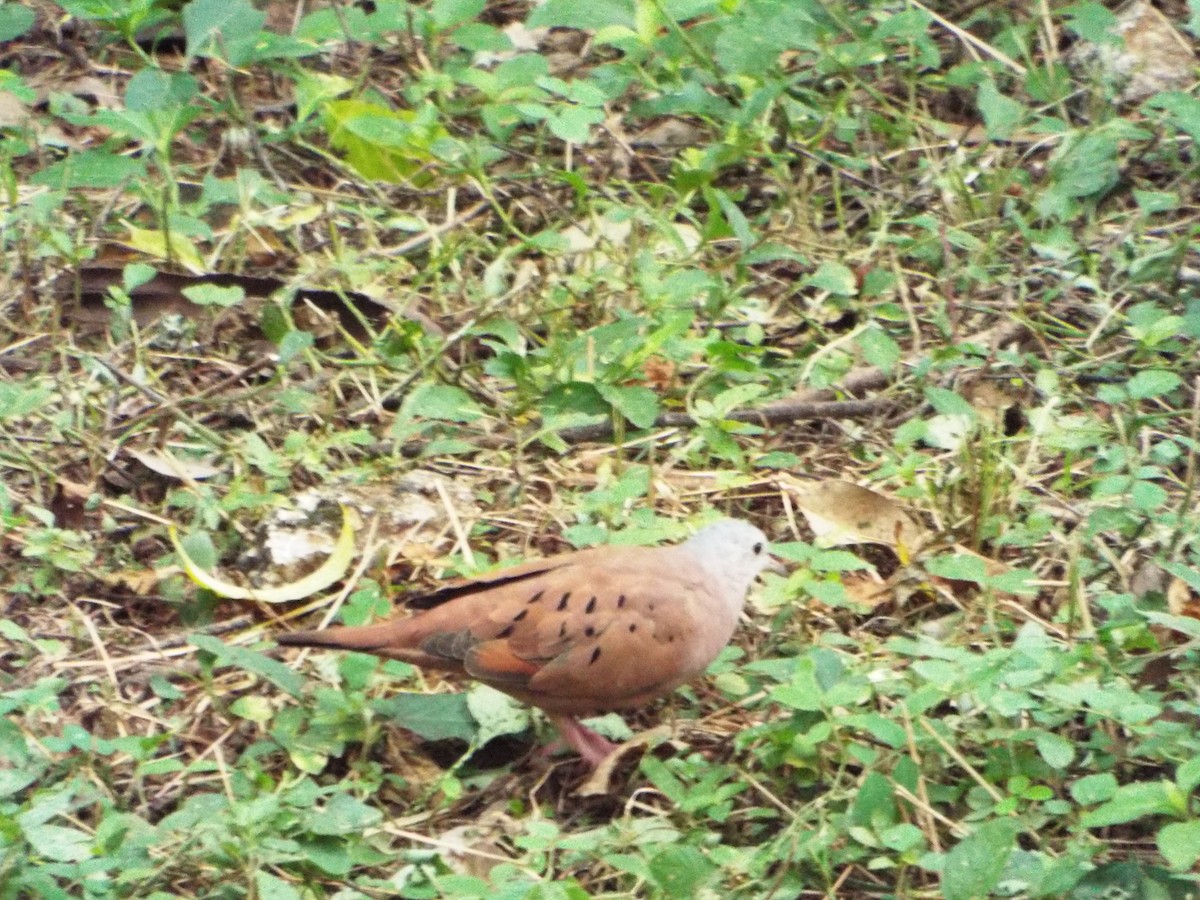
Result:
x=774 y=565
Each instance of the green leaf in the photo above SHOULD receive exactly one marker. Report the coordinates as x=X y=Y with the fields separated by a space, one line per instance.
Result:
x=1183 y=624
x=1001 y=114
x=17 y=400
x=215 y=294
x=1152 y=383
x=582 y=14
x=252 y=707
x=961 y=567
x=293 y=344
x=637 y=404
x=1087 y=167
x=448 y=13
x=835 y=278
x=435 y=717
x=735 y=218
x=342 y=815
x=974 y=865
x=750 y=41
x=58 y=844
x=680 y=871
x=444 y=402
x=495 y=714
x=226 y=29
x=1094 y=788
x=1179 y=843
x=15 y=20
x=90 y=169
x=271 y=887
x=1187 y=776
x=251 y=661
x=879 y=349
x=153 y=90
x=574 y=123
x=1131 y=802
x=1056 y=750
x=1092 y=22
x=1183 y=111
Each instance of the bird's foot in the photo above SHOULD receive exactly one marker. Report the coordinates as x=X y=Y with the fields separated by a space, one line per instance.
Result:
x=591 y=747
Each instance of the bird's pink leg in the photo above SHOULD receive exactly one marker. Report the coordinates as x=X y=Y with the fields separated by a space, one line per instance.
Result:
x=592 y=747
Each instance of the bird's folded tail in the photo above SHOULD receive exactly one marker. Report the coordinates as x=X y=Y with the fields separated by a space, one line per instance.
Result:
x=367 y=638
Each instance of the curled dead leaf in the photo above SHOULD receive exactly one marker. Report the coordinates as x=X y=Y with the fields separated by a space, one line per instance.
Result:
x=599 y=783
x=840 y=513
x=329 y=572
x=163 y=462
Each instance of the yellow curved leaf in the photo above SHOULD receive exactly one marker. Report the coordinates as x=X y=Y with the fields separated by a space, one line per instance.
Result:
x=327 y=573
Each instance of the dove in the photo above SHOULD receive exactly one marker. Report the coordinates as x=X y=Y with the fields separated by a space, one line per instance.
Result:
x=595 y=630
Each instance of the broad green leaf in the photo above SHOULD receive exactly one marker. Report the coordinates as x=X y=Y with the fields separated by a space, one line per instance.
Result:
x=91 y=169
x=974 y=865
x=834 y=277
x=1055 y=749
x=637 y=404
x=15 y=20
x=252 y=707
x=251 y=661
x=1132 y=802
x=878 y=348
x=582 y=14
x=58 y=844
x=1001 y=115
x=228 y=29
x=173 y=246
x=495 y=714
x=435 y=717
x=215 y=294
x=272 y=887
x=152 y=89
x=342 y=815
x=961 y=567
x=1094 y=788
x=680 y=871
x=443 y=402
x=448 y=13
x=1152 y=383
x=1179 y=843
x=17 y=399
x=1187 y=776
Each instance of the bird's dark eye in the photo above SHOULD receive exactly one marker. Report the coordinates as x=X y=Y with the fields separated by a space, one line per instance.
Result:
x=758 y=548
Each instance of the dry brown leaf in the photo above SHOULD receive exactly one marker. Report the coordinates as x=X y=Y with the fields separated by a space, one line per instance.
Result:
x=867 y=589
x=659 y=373
x=163 y=462
x=69 y=503
x=141 y=582
x=599 y=782
x=1181 y=601
x=840 y=513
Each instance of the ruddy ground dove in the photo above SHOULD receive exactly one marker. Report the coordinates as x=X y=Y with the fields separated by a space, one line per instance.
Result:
x=607 y=628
